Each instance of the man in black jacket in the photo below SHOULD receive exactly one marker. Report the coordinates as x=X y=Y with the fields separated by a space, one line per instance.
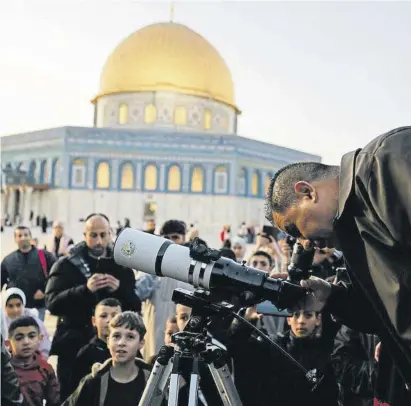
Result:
x=25 y=270
x=365 y=205
x=76 y=284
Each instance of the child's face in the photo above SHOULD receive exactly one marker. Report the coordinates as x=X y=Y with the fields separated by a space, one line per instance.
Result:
x=123 y=344
x=171 y=328
x=101 y=319
x=25 y=341
x=238 y=250
x=14 y=308
x=303 y=323
x=183 y=314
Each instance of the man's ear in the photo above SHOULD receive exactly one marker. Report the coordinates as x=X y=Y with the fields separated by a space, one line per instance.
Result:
x=7 y=343
x=93 y=321
x=289 y=321
x=319 y=319
x=304 y=189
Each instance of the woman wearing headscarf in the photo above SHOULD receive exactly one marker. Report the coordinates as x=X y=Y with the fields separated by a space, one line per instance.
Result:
x=15 y=307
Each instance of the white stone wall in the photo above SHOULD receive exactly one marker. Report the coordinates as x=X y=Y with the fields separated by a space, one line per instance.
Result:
x=210 y=212
x=223 y=116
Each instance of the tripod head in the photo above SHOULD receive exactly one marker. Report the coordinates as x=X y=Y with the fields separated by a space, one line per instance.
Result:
x=203 y=308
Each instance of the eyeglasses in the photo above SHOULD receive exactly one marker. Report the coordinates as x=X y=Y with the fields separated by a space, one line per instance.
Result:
x=173 y=237
x=261 y=263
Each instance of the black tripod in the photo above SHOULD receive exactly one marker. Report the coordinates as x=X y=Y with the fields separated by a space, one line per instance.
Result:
x=193 y=348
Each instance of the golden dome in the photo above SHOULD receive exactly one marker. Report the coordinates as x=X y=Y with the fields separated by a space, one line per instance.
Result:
x=167 y=57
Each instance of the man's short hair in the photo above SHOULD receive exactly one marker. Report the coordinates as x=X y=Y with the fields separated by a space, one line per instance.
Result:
x=173 y=226
x=25 y=321
x=263 y=254
x=110 y=302
x=281 y=195
x=130 y=320
x=90 y=216
x=22 y=228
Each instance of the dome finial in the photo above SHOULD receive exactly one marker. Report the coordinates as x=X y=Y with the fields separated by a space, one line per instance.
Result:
x=171 y=11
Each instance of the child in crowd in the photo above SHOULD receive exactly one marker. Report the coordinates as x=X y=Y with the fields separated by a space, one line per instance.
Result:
x=15 y=302
x=171 y=328
x=38 y=382
x=120 y=380
x=96 y=350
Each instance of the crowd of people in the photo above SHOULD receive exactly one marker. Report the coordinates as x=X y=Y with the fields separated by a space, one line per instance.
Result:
x=112 y=322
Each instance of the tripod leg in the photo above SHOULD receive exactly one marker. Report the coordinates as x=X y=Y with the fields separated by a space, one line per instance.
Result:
x=225 y=385
x=194 y=383
x=174 y=381
x=155 y=389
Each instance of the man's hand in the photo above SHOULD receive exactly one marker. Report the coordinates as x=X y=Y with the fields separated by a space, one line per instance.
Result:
x=278 y=275
x=96 y=282
x=111 y=282
x=251 y=314
x=320 y=291
x=39 y=295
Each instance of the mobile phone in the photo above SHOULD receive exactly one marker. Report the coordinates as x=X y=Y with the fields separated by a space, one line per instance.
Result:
x=267 y=308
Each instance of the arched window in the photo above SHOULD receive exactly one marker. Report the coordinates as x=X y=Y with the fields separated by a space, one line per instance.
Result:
x=127 y=176
x=255 y=184
x=267 y=182
x=56 y=172
x=150 y=177
x=220 y=179
x=180 y=115
x=197 y=180
x=174 y=179
x=103 y=175
x=78 y=173
x=44 y=172
x=207 y=119
x=242 y=182
x=150 y=114
x=123 y=114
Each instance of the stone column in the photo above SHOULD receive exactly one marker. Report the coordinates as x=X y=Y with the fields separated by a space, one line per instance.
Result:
x=114 y=181
x=186 y=178
x=139 y=168
x=162 y=177
x=38 y=211
x=27 y=205
x=11 y=205
x=21 y=208
x=208 y=179
x=5 y=202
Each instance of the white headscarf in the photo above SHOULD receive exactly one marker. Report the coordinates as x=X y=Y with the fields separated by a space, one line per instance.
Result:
x=15 y=291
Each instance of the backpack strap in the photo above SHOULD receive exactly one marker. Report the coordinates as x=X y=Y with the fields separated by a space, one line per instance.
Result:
x=43 y=262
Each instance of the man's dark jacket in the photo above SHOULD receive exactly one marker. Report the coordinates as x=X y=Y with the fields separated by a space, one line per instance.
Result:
x=264 y=377
x=373 y=228
x=355 y=367
x=95 y=351
x=24 y=271
x=67 y=296
x=92 y=390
